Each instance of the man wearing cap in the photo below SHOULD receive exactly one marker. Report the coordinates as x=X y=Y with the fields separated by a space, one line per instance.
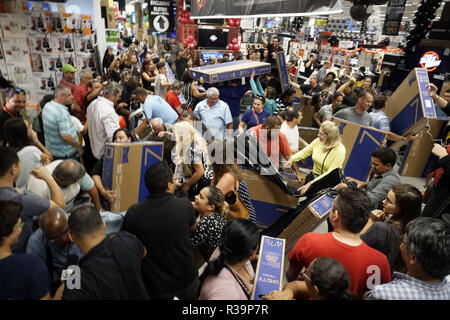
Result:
x=68 y=79
x=15 y=104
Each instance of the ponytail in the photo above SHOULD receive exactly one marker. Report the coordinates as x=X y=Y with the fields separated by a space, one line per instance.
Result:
x=217 y=199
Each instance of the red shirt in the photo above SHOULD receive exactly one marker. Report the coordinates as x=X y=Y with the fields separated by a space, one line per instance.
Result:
x=356 y=260
x=173 y=100
x=79 y=95
x=273 y=151
x=66 y=83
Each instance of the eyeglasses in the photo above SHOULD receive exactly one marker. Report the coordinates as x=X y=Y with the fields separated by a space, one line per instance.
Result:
x=18 y=91
x=19 y=225
x=305 y=277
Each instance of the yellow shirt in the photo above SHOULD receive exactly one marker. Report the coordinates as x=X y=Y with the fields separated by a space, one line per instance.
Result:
x=334 y=160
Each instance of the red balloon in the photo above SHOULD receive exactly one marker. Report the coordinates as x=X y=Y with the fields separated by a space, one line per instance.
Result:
x=236 y=47
x=187 y=14
x=190 y=38
x=191 y=21
x=184 y=20
x=231 y=22
x=194 y=44
x=234 y=41
x=237 y=22
x=185 y=43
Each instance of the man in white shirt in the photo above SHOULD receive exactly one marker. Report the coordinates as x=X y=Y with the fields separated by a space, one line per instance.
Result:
x=103 y=120
x=289 y=128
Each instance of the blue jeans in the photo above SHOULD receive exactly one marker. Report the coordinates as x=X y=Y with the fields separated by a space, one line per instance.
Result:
x=236 y=122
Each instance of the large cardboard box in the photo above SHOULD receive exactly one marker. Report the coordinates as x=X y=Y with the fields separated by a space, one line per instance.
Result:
x=418 y=152
x=359 y=142
x=124 y=167
x=270 y=267
x=410 y=107
x=229 y=70
x=313 y=214
x=282 y=71
x=269 y=201
x=307 y=134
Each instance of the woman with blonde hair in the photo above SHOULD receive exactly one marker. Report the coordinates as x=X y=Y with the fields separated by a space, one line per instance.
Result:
x=327 y=151
x=213 y=213
x=191 y=153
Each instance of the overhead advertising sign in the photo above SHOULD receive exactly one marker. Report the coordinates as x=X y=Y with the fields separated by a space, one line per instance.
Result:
x=214 y=9
x=430 y=61
x=393 y=19
x=161 y=17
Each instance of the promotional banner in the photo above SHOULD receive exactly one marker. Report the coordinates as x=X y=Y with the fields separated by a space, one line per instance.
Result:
x=393 y=19
x=213 y=9
x=161 y=15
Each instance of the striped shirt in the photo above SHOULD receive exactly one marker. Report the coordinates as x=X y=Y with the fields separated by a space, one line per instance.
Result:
x=404 y=287
x=57 y=123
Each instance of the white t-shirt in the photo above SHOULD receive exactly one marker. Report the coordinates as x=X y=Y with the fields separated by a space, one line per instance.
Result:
x=78 y=126
x=159 y=89
x=30 y=158
x=40 y=188
x=292 y=136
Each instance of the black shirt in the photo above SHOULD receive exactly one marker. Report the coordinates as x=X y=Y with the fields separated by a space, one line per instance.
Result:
x=349 y=100
x=111 y=271
x=271 y=49
x=309 y=70
x=446 y=109
x=386 y=237
x=4 y=116
x=309 y=90
x=181 y=66
x=162 y=224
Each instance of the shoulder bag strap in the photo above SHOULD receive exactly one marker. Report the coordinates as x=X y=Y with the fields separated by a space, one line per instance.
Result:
x=323 y=163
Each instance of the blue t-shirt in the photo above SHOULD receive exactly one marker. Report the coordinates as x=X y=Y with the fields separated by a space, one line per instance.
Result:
x=249 y=117
x=232 y=96
x=156 y=107
x=23 y=277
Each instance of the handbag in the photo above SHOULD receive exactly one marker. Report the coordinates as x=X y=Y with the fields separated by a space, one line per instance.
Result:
x=237 y=207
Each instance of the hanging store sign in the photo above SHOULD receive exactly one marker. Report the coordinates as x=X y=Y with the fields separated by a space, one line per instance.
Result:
x=430 y=61
x=214 y=9
x=161 y=17
x=393 y=19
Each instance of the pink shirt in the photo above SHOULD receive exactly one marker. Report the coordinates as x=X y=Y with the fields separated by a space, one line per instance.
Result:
x=224 y=286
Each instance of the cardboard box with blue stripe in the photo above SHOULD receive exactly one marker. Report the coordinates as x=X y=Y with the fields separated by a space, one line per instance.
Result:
x=410 y=107
x=124 y=166
x=412 y=110
x=229 y=70
x=359 y=142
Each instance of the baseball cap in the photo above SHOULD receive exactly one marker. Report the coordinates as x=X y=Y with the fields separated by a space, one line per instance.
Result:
x=68 y=68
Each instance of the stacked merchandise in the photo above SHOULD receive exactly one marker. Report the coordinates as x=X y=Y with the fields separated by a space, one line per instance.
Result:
x=35 y=45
